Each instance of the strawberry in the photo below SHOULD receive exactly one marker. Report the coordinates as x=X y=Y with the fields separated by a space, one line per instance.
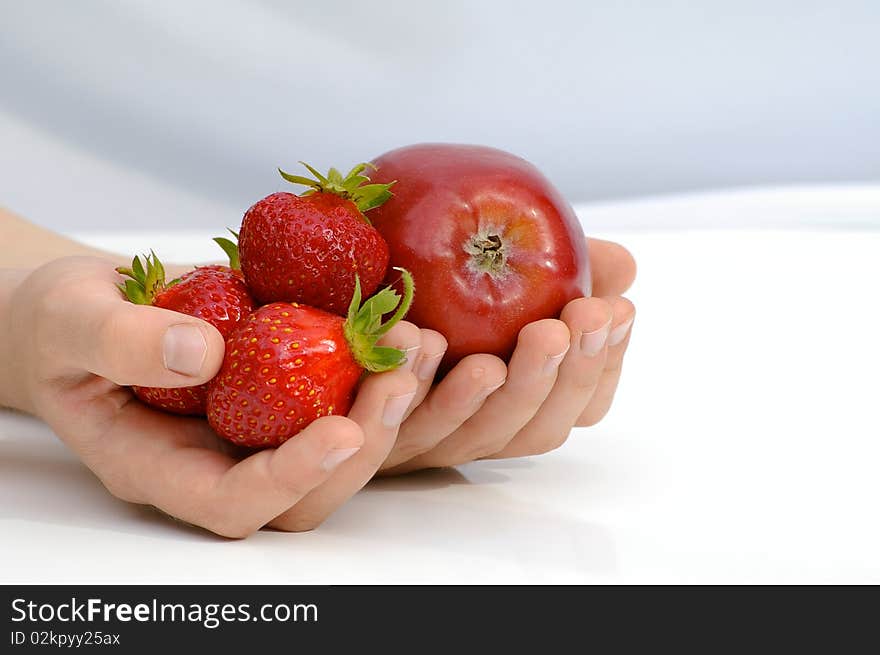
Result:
x=216 y=294
x=306 y=248
x=288 y=364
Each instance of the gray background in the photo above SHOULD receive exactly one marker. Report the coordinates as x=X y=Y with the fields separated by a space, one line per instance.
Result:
x=103 y=102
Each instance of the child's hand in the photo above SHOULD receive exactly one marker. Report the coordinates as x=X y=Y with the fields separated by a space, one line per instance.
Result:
x=563 y=373
x=72 y=342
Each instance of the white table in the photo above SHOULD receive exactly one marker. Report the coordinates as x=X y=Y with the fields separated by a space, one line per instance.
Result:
x=743 y=447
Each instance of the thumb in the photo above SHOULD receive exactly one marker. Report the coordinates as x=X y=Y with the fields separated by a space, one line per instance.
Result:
x=147 y=346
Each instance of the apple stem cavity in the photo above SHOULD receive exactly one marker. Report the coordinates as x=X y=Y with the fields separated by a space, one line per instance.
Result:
x=488 y=252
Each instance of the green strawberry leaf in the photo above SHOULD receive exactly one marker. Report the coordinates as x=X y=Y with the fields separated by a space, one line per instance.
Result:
x=146 y=279
x=231 y=250
x=335 y=177
x=354 y=186
x=134 y=292
x=383 y=302
x=321 y=179
x=358 y=169
x=138 y=270
x=387 y=358
x=352 y=183
x=364 y=327
x=296 y=179
x=372 y=196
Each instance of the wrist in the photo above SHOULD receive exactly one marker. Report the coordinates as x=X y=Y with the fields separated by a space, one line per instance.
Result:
x=12 y=391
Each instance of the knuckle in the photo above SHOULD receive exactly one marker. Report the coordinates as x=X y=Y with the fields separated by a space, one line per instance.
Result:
x=48 y=312
x=51 y=299
x=110 y=325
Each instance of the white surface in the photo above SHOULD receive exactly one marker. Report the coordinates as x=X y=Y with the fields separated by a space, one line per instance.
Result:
x=743 y=447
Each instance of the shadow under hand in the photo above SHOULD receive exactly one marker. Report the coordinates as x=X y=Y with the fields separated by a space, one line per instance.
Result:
x=468 y=514
x=428 y=479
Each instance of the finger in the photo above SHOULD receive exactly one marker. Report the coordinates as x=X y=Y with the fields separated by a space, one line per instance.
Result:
x=612 y=266
x=540 y=349
x=406 y=337
x=457 y=397
x=96 y=330
x=207 y=488
x=618 y=340
x=433 y=347
x=379 y=408
x=424 y=349
x=589 y=322
x=153 y=347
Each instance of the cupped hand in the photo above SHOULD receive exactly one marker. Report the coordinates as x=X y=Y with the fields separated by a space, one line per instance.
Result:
x=563 y=374
x=74 y=345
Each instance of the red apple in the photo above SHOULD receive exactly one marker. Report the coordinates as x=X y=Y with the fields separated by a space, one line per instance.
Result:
x=491 y=243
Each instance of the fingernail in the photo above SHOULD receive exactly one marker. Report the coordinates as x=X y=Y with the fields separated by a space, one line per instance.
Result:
x=335 y=457
x=485 y=392
x=184 y=349
x=428 y=366
x=619 y=333
x=412 y=354
x=395 y=408
x=593 y=342
x=553 y=362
